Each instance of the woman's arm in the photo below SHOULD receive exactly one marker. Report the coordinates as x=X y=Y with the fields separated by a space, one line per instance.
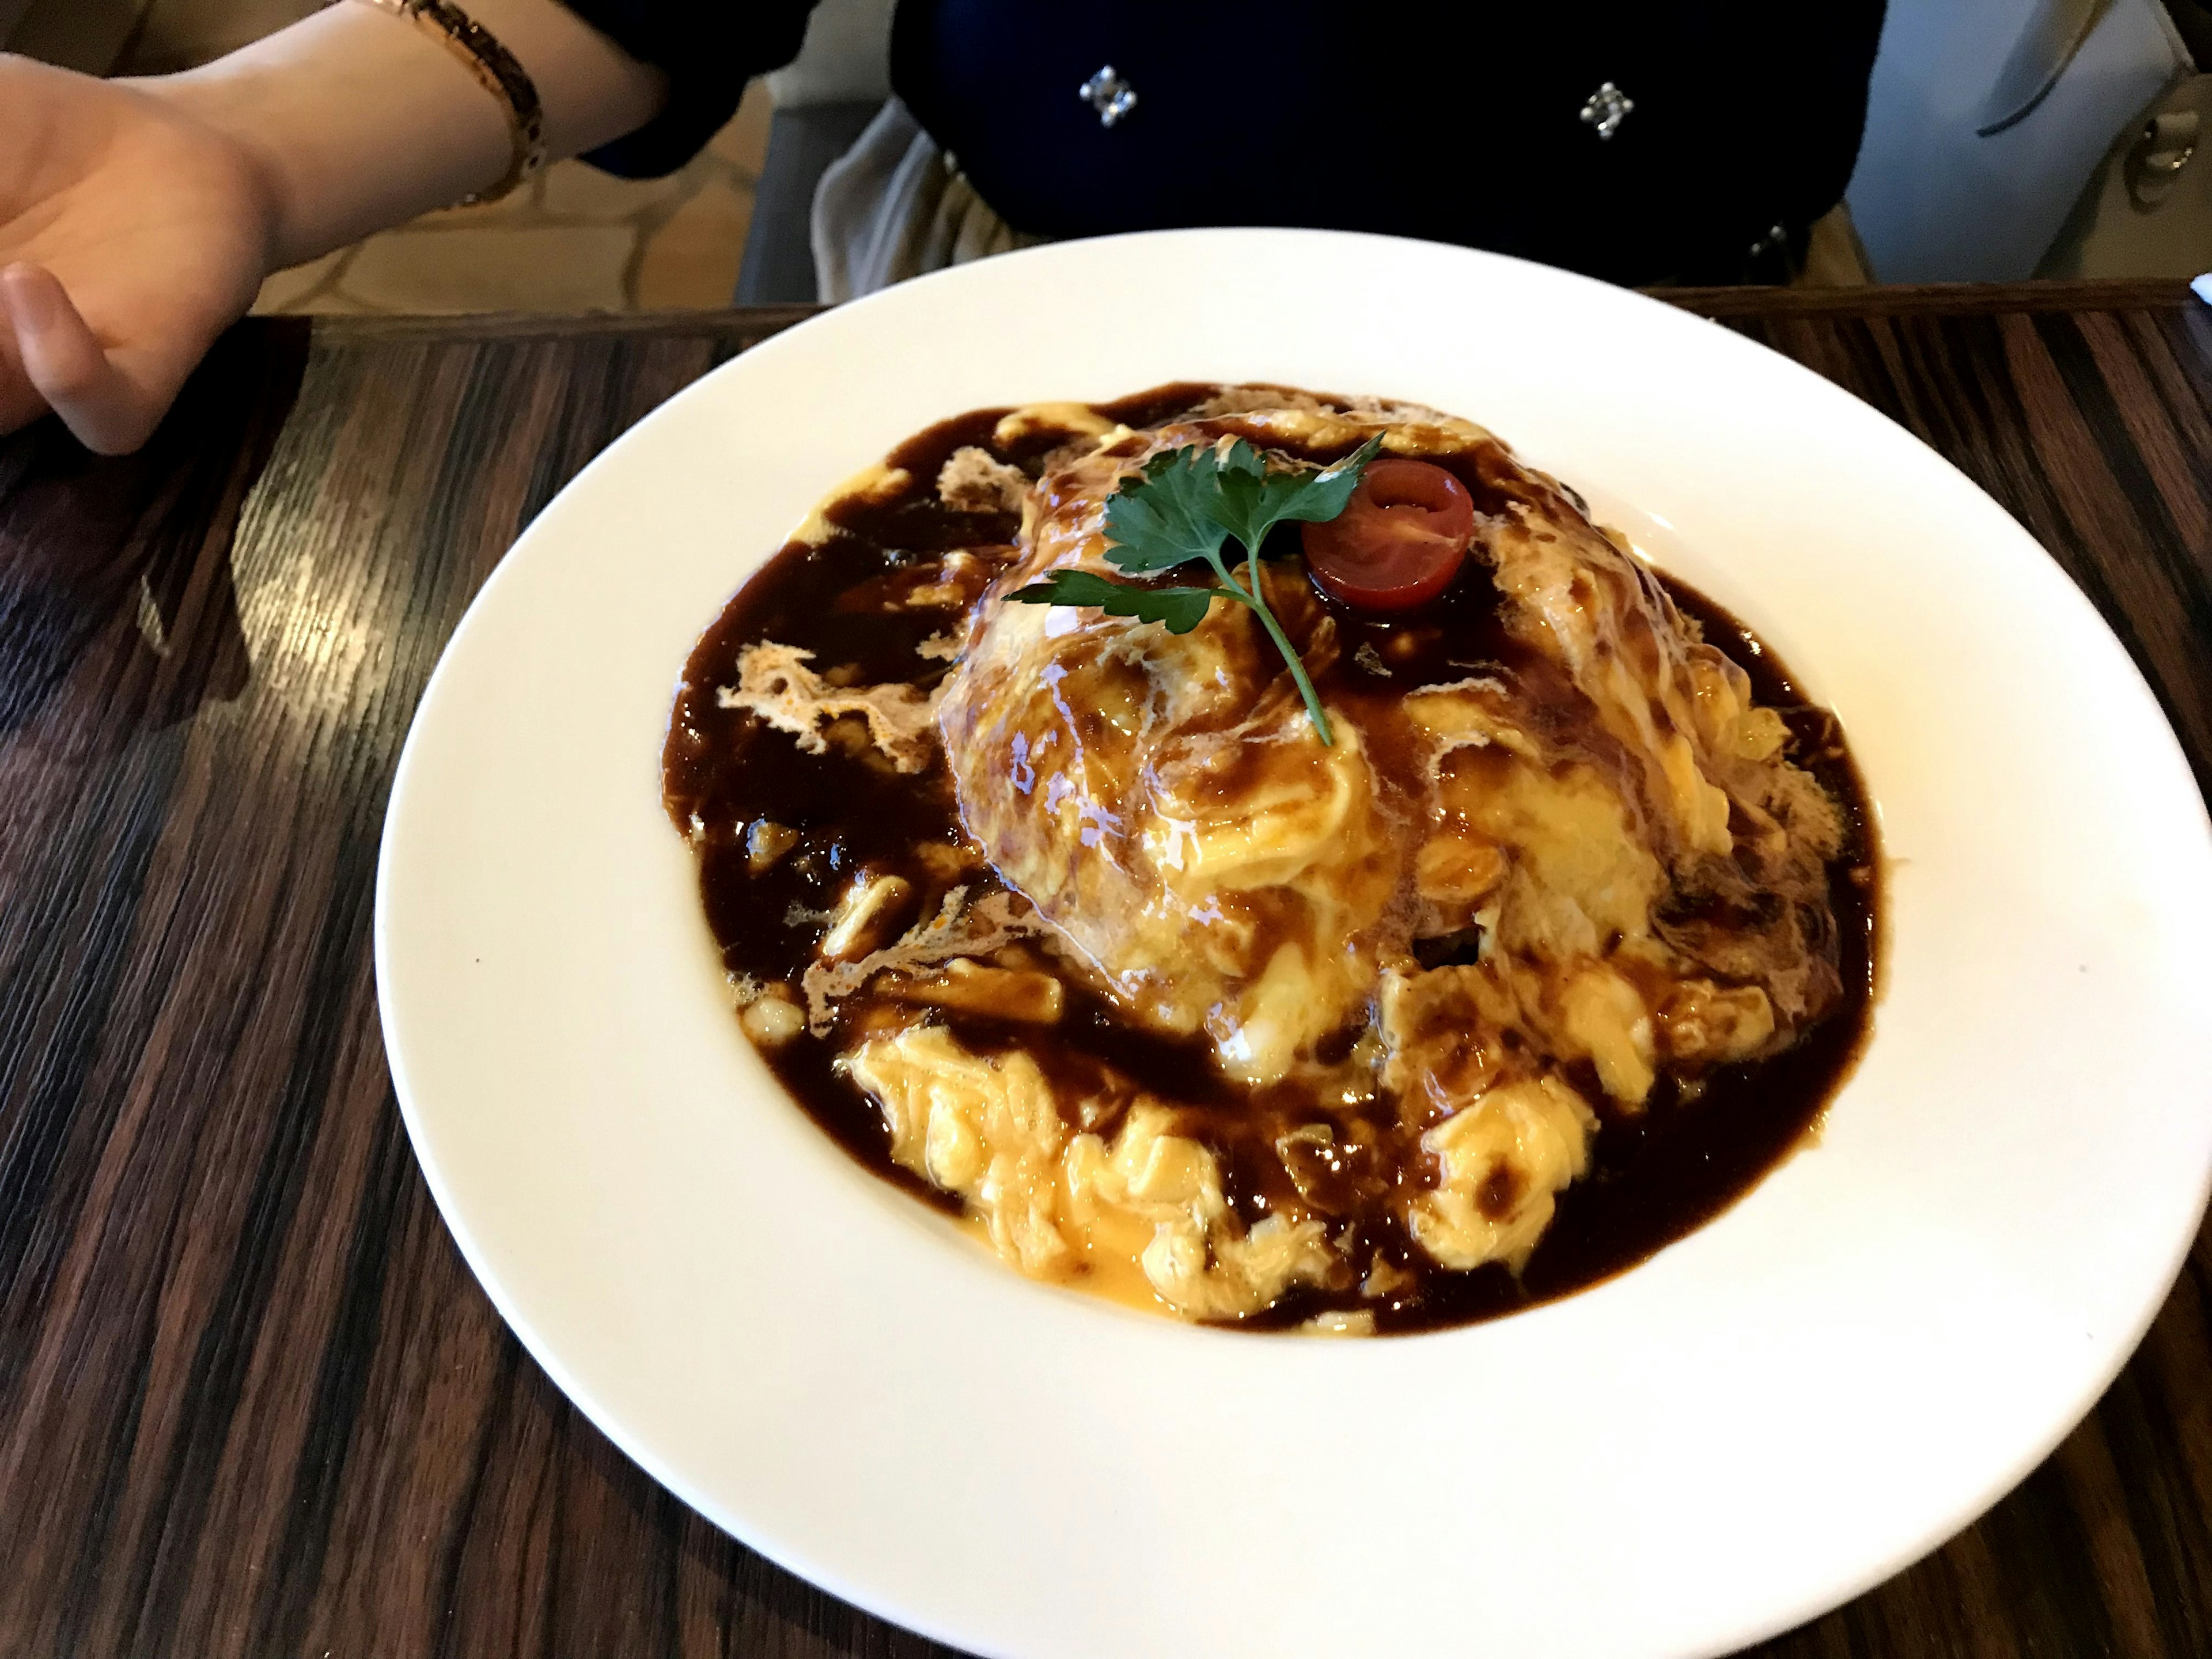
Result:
x=138 y=218
x=359 y=120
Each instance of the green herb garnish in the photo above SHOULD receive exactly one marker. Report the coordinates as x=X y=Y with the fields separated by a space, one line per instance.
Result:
x=1183 y=506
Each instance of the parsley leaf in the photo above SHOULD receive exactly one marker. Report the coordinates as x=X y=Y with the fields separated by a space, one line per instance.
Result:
x=1181 y=608
x=1182 y=507
x=1250 y=499
x=1162 y=519
x=1187 y=500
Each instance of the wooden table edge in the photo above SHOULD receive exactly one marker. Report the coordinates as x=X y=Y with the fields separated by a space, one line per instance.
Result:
x=1947 y=298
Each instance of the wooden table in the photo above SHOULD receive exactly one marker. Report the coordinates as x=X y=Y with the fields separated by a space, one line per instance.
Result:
x=251 y=1400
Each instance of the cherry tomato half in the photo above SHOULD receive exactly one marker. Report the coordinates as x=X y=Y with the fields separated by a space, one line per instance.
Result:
x=1398 y=541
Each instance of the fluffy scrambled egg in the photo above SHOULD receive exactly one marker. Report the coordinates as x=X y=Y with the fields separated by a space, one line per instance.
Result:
x=1498 y=908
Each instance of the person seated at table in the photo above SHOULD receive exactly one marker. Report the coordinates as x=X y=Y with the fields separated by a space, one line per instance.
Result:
x=1636 y=144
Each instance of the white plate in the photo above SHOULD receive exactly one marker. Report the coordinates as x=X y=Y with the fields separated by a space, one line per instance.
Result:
x=1763 y=1420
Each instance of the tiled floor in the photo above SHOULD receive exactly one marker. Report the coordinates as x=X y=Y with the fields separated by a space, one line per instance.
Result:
x=574 y=240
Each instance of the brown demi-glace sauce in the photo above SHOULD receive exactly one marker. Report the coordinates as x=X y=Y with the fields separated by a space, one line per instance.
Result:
x=1655 y=1174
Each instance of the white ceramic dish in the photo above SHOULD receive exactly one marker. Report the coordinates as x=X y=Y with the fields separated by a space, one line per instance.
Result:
x=1759 y=1422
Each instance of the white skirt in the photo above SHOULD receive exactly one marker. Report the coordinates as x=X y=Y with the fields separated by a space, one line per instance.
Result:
x=896 y=205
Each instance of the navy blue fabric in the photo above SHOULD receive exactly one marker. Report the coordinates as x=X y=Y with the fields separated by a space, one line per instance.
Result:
x=1459 y=123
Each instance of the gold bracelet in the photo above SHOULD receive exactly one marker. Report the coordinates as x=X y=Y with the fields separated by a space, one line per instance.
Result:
x=496 y=71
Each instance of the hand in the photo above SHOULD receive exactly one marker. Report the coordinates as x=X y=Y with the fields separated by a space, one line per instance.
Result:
x=131 y=234
x=138 y=218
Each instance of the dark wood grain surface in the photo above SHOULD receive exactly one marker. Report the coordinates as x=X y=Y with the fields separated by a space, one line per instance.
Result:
x=251 y=1400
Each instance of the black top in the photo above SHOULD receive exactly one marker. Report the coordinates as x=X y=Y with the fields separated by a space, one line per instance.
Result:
x=1481 y=124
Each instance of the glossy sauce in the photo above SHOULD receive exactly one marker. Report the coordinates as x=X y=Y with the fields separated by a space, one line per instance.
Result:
x=1654 y=1176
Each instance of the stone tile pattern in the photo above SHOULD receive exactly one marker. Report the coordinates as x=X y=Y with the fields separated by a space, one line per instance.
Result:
x=574 y=240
